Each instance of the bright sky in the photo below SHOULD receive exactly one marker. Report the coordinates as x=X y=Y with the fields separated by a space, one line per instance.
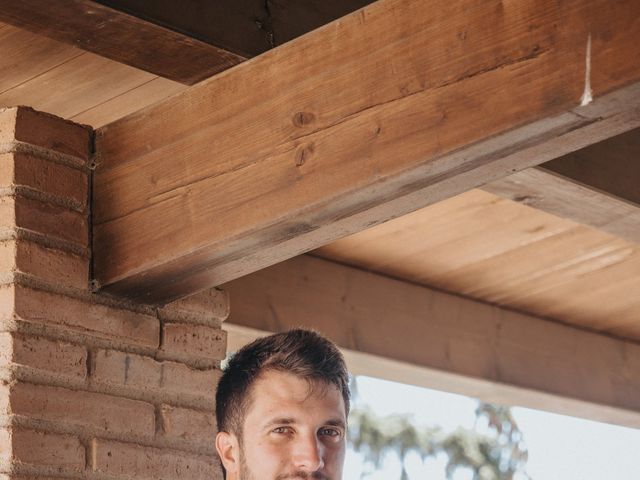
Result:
x=560 y=447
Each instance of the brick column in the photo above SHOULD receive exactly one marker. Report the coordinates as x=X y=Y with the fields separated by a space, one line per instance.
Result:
x=91 y=387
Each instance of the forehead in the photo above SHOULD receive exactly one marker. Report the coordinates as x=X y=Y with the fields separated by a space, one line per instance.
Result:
x=276 y=393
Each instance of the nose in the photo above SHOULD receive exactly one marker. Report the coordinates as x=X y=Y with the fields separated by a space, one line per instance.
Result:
x=308 y=455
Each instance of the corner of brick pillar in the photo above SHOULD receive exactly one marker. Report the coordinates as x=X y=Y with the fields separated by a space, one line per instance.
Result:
x=90 y=386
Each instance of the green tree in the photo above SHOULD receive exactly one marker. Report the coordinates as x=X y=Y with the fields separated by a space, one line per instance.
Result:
x=493 y=450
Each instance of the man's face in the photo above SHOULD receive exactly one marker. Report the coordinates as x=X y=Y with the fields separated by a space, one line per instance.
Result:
x=292 y=430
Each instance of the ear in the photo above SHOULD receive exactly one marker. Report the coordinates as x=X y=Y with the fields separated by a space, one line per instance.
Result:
x=228 y=449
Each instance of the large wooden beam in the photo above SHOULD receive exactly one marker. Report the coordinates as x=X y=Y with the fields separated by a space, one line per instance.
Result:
x=121 y=37
x=246 y=27
x=409 y=333
x=396 y=106
x=596 y=186
x=185 y=41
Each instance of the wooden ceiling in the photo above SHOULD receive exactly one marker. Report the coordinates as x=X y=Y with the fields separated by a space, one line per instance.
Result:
x=63 y=80
x=505 y=253
x=476 y=244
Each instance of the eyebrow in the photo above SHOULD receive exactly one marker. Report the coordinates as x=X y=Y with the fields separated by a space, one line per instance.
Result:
x=336 y=422
x=281 y=421
x=333 y=422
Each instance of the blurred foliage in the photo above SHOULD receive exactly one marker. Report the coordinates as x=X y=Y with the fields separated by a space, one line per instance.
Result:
x=493 y=450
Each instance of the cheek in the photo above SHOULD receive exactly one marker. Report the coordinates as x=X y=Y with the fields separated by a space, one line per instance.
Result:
x=266 y=457
x=334 y=456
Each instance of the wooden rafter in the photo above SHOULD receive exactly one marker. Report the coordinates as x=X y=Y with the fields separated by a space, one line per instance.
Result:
x=444 y=341
x=184 y=41
x=121 y=37
x=611 y=166
x=247 y=27
x=596 y=186
x=392 y=108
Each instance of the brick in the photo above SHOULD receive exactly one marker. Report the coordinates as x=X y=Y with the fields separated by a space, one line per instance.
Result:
x=62 y=452
x=8 y=124
x=189 y=425
x=46 y=131
x=86 y=317
x=5 y=393
x=8 y=254
x=50 y=355
x=209 y=306
x=107 y=413
x=7 y=212
x=119 y=368
x=49 y=264
x=5 y=449
x=7 y=173
x=179 y=377
x=52 y=265
x=46 y=176
x=46 y=219
x=7 y=302
x=6 y=349
x=50 y=220
x=123 y=459
x=194 y=340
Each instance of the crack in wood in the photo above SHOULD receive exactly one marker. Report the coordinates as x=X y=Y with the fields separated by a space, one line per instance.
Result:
x=536 y=52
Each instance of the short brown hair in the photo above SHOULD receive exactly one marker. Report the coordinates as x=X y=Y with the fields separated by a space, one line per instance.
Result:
x=303 y=353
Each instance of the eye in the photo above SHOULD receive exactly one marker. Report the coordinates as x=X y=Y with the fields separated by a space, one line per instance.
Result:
x=330 y=432
x=282 y=430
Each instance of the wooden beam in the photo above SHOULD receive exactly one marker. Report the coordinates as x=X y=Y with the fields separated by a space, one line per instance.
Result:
x=596 y=186
x=370 y=117
x=248 y=27
x=185 y=41
x=611 y=166
x=121 y=37
x=409 y=333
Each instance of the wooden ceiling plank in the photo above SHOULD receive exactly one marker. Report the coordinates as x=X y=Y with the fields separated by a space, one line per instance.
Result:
x=545 y=277
x=25 y=56
x=438 y=248
x=121 y=37
x=363 y=120
x=604 y=278
x=128 y=102
x=592 y=272
x=95 y=80
x=450 y=343
x=596 y=186
x=546 y=262
x=417 y=232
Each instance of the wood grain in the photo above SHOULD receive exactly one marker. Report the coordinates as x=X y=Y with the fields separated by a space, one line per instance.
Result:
x=365 y=119
x=568 y=199
x=76 y=85
x=444 y=341
x=24 y=56
x=121 y=37
x=505 y=253
x=216 y=183
x=67 y=81
x=597 y=186
x=247 y=27
x=128 y=102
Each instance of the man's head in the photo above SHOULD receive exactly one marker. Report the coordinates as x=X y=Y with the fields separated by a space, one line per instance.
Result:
x=281 y=407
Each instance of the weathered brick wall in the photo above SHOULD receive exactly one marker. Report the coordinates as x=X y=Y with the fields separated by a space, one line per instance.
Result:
x=90 y=386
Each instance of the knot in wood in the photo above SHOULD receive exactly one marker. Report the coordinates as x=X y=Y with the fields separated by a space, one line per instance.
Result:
x=301 y=119
x=303 y=153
